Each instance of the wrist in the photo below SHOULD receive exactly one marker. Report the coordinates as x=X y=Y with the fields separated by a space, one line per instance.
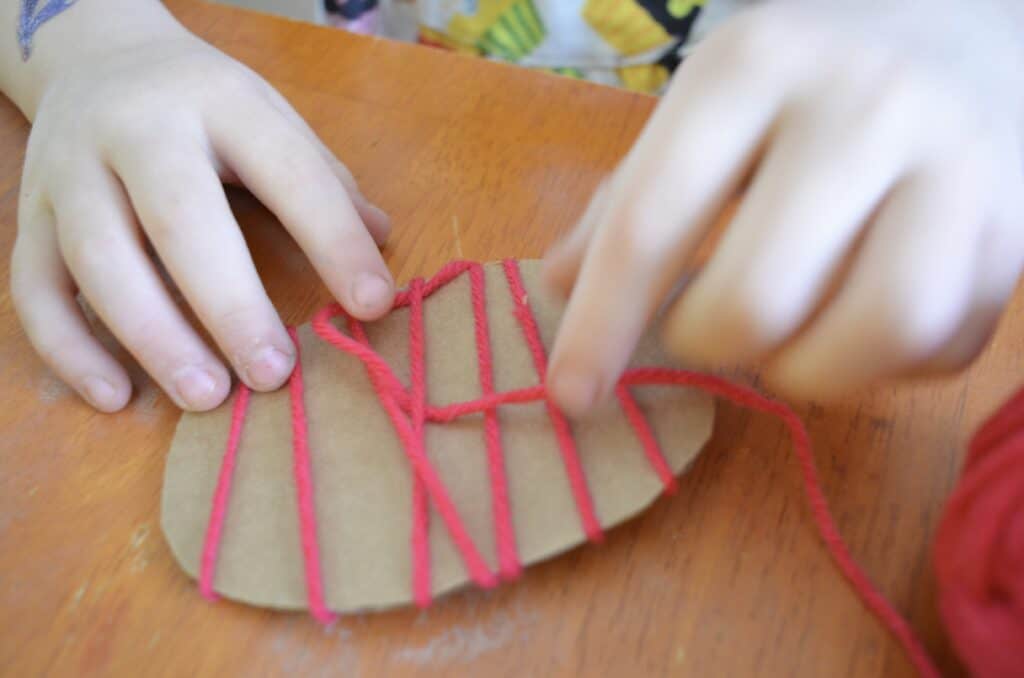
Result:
x=87 y=30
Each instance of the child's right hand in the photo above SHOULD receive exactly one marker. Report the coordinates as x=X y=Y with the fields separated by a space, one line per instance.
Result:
x=130 y=144
x=875 y=147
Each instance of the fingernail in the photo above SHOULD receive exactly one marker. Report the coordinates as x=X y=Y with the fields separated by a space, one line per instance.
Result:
x=575 y=392
x=378 y=213
x=267 y=368
x=195 y=387
x=371 y=291
x=100 y=393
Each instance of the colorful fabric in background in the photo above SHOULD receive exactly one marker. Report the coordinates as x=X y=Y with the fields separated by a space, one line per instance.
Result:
x=358 y=16
x=634 y=44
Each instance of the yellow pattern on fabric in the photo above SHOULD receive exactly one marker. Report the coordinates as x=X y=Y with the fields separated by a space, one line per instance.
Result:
x=512 y=30
x=574 y=73
x=443 y=39
x=625 y=25
x=469 y=28
x=515 y=34
x=680 y=8
x=644 y=78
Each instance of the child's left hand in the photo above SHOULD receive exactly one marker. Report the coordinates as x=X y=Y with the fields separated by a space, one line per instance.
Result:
x=881 y=232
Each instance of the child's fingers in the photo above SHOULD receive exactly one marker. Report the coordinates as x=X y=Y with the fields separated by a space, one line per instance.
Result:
x=376 y=220
x=180 y=202
x=105 y=257
x=966 y=344
x=995 y=277
x=562 y=262
x=908 y=292
x=291 y=177
x=688 y=161
x=43 y=296
x=818 y=184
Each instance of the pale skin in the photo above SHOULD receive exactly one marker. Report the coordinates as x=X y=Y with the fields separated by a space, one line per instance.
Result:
x=879 y=234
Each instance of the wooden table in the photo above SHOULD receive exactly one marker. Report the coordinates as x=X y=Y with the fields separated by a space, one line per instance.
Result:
x=479 y=161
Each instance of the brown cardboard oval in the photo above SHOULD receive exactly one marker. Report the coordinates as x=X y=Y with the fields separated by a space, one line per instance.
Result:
x=361 y=478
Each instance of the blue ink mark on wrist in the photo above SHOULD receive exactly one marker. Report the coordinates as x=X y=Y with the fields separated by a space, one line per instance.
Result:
x=30 y=21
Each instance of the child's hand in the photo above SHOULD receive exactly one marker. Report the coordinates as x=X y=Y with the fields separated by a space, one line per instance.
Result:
x=880 y=235
x=129 y=146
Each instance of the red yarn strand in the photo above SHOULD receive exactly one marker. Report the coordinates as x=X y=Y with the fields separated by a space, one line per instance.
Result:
x=504 y=530
x=303 y=471
x=643 y=431
x=409 y=411
x=222 y=495
x=560 y=425
x=381 y=376
x=876 y=603
x=420 y=511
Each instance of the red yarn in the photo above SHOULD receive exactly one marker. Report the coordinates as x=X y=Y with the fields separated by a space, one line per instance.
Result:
x=409 y=411
x=211 y=544
x=560 y=425
x=643 y=431
x=504 y=531
x=418 y=400
x=384 y=382
x=303 y=487
x=979 y=550
x=303 y=472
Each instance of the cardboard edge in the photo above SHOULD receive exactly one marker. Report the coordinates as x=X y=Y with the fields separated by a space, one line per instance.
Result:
x=192 y=569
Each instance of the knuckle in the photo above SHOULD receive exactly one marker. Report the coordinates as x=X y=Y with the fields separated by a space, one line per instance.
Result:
x=671 y=338
x=123 y=122
x=58 y=164
x=53 y=349
x=31 y=207
x=977 y=171
x=638 y=233
x=903 y=99
x=915 y=325
x=147 y=337
x=756 y=310
x=167 y=212
x=232 y=79
x=729 y=324
x=242 y=327
x=904 y=91
x=138 y=127
x=83 y=250
x=226 y=81
x=745 y=43
x=682 y=336
x=304 y=178
x=50 y=352
x=625 y=240
x=344 y=251
x=895 y=76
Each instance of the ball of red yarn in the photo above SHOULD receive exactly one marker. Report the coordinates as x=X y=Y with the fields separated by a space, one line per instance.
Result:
x=979 y=550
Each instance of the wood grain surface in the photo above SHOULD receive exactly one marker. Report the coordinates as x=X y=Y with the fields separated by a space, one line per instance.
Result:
x=480 y=161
